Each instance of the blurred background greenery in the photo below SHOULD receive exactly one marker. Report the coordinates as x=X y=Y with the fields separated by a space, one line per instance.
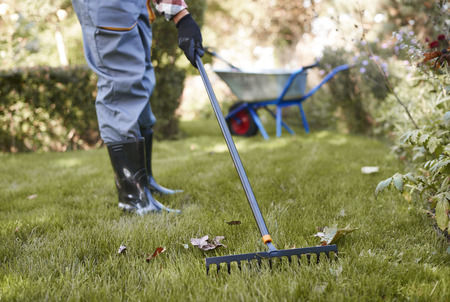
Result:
x=47 y=94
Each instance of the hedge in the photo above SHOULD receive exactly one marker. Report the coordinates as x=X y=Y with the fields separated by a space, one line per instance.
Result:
x=46 y=109
x=53 y=109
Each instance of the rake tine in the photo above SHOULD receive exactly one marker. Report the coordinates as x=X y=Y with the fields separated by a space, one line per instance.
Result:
x=272 y=257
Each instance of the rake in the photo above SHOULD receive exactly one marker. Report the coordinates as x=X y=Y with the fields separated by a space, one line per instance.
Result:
x=267 y=239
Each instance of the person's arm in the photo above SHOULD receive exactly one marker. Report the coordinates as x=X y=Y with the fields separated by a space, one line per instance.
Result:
x=189 y=35
x=180 y=15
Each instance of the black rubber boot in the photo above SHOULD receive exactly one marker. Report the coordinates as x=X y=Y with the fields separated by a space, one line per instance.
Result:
x=154 y=186
x=128 y=162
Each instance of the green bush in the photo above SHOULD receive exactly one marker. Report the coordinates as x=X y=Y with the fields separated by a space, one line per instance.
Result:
x=426 y=152
x=354 y=94
x=424 y=145
x=46 y=109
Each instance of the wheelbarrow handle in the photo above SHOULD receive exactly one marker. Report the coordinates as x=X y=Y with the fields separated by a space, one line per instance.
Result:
x=211 y=52
x=235 y=156
x=311 y=66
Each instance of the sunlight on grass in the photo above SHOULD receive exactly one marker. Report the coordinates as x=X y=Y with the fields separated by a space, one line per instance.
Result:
x=69 y=162
x=334 y=139
x=218 y=148
x=64 y=243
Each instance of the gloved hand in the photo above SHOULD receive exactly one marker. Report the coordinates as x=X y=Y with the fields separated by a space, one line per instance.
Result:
x=190 y=38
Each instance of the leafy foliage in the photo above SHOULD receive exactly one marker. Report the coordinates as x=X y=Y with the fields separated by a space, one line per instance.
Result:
x=276 y=24
x=47 y=109
x=420 y=16
x=352 y=94
x=432 y=180
x=28 y=33
x=425 y=100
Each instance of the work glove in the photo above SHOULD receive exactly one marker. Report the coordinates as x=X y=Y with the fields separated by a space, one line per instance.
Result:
x=190 y=38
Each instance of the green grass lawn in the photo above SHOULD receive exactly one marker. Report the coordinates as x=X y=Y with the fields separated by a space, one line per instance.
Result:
x=60 y=227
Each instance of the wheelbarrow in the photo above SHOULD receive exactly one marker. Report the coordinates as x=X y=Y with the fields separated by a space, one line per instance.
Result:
x=264 y=88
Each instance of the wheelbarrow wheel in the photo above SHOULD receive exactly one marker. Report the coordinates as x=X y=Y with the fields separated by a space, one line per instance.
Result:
x=242 y=123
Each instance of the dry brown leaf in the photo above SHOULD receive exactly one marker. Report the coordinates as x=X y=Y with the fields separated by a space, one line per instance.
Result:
x=233 y=222
x=217 y=240
x=205 y=244
x=159 y=250
x=331 y=235
x=200 y=242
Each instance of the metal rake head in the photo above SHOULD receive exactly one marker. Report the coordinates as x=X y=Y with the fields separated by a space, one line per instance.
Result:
x=307 y=251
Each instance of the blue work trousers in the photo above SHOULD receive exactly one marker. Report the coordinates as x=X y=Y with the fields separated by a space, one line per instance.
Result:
x=117 y=39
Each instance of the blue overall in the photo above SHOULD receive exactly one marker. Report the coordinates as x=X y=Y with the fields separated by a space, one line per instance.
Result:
x=117 y=39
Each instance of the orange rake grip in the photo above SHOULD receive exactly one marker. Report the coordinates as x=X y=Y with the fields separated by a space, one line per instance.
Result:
x=266 y=238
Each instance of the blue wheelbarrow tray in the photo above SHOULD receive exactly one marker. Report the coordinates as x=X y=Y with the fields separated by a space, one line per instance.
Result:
x=262 y=88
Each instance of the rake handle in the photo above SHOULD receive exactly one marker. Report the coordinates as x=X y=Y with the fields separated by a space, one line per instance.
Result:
x=235 y=155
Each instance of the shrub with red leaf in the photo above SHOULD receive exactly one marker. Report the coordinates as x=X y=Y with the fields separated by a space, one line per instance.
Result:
x=434 y=44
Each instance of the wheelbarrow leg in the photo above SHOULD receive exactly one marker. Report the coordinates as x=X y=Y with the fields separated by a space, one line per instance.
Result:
x=258 y=122
x=278 y=121
x=282 y=123
x=305 y=122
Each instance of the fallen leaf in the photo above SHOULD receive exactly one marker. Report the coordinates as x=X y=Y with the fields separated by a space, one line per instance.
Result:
x=205 y=244
x=122 y=249
x=217 y=240
x=234 y=222
x=200 y=242
x=331 y=235
x=156 y=253
x=32 y=196
x=370 y=170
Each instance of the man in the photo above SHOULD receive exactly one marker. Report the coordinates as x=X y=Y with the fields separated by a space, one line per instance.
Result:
x=117 y=43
